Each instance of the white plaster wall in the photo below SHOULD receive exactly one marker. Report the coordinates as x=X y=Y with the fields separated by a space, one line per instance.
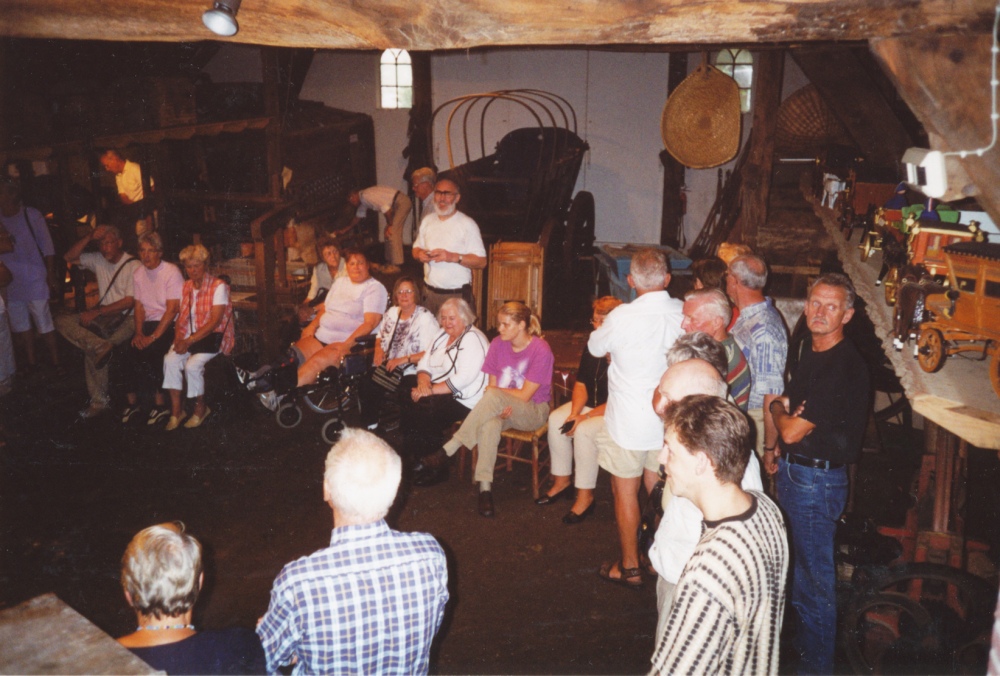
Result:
x=618 y=98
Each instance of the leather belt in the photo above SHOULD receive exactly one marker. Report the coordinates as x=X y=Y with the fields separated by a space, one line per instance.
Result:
x=812 y=462
x=453 y=292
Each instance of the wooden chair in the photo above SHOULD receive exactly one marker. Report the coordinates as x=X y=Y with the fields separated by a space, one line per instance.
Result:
x=514 y=441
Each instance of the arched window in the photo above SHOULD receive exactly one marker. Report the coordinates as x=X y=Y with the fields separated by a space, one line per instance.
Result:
x=738 y=64
x=396 y=79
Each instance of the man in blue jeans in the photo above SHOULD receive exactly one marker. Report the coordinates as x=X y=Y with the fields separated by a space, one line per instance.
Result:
x=821 y=423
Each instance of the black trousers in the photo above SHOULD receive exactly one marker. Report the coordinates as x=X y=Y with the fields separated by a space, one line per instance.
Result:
x=423 y=423
x=141 y=371
x=373 y=397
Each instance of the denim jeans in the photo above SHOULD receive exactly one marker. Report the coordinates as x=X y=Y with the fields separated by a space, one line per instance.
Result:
x=813 y=500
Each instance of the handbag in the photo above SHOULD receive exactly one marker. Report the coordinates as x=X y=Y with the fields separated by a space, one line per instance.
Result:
x=383 y=377
x=104 y=326
x=386 y=379
x=210 y=344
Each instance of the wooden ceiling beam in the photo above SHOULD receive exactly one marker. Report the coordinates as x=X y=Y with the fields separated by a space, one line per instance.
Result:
x=946 y=82
x=464 y=24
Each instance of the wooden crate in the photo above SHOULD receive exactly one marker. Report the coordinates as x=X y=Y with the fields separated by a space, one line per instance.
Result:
x=516 y=273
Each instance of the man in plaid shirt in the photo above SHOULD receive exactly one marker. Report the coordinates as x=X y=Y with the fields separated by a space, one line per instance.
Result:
x=372 y=602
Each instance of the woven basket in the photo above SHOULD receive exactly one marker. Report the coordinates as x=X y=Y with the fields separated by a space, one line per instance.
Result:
x=701 y=121
x=806 y=124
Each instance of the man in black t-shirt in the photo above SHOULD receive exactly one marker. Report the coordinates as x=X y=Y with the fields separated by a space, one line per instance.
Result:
x=821 y=422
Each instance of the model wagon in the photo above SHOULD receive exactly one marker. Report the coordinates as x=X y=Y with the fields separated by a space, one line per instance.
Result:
x=967 y=317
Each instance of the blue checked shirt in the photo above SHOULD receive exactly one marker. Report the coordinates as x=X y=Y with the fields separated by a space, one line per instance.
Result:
x=761 y=334
x=369 y=604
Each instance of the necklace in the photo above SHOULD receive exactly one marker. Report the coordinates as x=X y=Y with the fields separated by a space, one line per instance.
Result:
x=169 y=626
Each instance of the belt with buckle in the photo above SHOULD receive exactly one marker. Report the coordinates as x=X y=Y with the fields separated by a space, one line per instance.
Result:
x=812 y=462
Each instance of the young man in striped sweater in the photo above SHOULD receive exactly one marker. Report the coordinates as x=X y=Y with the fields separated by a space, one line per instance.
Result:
x=729 y=602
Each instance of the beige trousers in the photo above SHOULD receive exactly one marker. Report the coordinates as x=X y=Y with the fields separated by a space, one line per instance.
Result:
x=69 y=328
x=483 y=426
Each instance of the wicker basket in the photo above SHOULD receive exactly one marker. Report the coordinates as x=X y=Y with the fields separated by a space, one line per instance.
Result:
x=701 y=121
x=805 y=124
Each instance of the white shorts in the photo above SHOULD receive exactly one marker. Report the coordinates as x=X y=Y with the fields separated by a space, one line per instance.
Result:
x=19 y=310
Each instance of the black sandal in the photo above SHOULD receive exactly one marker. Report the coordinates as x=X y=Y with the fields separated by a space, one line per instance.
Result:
x=625 y=575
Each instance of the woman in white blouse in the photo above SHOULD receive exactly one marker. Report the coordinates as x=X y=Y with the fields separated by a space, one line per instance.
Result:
x=450 y=380
x=404 y=334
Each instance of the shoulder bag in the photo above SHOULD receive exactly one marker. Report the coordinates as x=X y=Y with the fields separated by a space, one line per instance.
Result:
x=383 y=377
x=104 y=326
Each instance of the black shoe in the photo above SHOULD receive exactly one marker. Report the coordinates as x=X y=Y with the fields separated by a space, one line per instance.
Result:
x=486 y=503
x=431 y=476
x=549 y=499
x=430 y=462
x=573 y=518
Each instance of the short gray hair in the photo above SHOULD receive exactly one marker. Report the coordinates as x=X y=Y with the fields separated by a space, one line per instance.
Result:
x=750 y=270
x=699 y=345
x=161 y=570
x=463 y=309
x=715 y=301
x=840 y=281
x=423 y=175
x=112 y=230
x=649 y=269
x=362 y=475
x=153 y=239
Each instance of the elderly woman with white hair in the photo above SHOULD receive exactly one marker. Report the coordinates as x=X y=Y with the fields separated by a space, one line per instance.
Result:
x=204 y=330
x=162 y=575
x=450 y=380
x=157 y=289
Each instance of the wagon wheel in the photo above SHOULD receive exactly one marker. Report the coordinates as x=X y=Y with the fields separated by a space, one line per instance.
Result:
x=579 y=228
x=930 y=350
x=917 y=618
x=891 y=284
x=866 y=245
x=995 y=369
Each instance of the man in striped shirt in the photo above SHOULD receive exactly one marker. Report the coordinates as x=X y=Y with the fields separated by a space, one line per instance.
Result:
x=372 y=602
x=729 y=602
x=708 y=310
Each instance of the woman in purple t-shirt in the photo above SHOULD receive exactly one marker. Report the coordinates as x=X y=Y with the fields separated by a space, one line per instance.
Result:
x=519 y=365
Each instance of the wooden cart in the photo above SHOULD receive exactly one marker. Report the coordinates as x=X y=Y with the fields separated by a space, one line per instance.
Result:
x=967 y=317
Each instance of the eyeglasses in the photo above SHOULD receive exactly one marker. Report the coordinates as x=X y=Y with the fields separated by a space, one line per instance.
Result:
x=405 y=292
x=445 y=193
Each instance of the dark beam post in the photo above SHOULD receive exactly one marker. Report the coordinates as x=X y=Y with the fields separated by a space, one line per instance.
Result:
x=672 y=219
x=265 y=251
x=756 y=187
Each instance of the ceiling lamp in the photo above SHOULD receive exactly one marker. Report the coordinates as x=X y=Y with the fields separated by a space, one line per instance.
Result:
x=221 y=19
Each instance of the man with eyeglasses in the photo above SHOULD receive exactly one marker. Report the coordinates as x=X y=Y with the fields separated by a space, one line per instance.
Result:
x=450 y=247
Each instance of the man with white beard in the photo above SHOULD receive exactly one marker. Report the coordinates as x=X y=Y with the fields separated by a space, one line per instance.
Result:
x=450 y=247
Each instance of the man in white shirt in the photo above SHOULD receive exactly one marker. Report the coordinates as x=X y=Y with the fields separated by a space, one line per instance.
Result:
x=680 y=528
x=395 y=205
x=114 y=269
x=450 y=247
x=637 y=336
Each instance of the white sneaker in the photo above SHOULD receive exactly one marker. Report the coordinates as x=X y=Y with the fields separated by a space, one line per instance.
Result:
x=270 y=400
